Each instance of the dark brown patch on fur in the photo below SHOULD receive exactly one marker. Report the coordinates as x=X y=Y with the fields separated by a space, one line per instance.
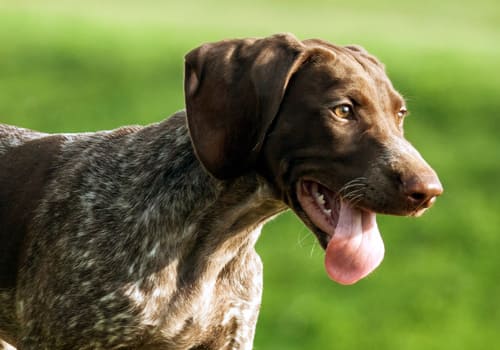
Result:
x=26 y=170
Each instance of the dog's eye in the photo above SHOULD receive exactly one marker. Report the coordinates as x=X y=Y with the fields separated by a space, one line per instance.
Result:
x=402 y=112
x=343 y=111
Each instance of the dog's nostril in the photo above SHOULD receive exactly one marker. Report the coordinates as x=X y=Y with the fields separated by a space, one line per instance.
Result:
x=422 y=191
x=422 y=199
x=417 y=196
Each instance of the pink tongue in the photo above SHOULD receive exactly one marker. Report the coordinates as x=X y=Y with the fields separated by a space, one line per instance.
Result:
x=356 y=248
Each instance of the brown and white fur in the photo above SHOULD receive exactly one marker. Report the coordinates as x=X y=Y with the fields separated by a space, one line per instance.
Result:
x=143 y=237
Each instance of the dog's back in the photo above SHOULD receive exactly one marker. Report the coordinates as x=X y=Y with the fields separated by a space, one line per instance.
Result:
x=11 y=136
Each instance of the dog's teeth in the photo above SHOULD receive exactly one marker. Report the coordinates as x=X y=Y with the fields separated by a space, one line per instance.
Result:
x=328 y=212
x=321 y=198
x=314 y=188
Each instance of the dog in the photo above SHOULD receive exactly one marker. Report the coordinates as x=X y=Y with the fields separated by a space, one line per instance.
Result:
x=143 y=237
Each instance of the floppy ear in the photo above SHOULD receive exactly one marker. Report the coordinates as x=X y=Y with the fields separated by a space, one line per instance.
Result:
x=233 y=91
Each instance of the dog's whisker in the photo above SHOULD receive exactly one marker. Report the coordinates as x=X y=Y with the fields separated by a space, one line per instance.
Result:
x=313 y=248
x=356 y=197
x=357 y=200
x=351 y=187
x=355 y=183
x=354 y=192
x=304 y=235
x=357 y=180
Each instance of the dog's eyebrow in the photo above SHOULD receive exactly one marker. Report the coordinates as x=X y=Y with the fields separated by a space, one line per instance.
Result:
x=398 y=100
x=358 y=97
x=362 y=99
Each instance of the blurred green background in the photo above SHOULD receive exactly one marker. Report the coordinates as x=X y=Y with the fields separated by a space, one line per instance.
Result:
x=68 y=66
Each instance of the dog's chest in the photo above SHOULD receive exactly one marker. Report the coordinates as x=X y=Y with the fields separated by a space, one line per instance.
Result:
x=218 y=313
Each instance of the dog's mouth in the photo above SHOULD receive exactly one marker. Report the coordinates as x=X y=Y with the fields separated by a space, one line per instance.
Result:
x=354 y=247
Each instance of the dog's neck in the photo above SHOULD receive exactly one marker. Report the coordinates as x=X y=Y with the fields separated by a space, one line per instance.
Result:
x=207 y=243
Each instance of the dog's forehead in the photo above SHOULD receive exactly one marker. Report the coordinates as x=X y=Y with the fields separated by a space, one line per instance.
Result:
x=361 y=71
x=354 y=57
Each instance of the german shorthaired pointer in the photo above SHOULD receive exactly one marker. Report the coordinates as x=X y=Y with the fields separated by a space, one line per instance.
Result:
x=143 y=237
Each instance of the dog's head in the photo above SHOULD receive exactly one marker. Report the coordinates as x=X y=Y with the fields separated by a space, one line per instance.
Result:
x=323 y=124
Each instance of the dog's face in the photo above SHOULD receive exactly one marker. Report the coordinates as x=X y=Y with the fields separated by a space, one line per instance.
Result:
x=331 y=143
x=338 y=155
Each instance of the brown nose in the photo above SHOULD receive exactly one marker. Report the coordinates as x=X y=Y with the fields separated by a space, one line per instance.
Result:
x=421 y=191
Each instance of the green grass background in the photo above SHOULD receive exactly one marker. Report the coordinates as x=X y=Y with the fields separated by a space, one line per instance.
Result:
x=68 y=66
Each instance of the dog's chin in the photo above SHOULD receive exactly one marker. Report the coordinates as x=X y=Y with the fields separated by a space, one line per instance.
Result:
x=350 y=236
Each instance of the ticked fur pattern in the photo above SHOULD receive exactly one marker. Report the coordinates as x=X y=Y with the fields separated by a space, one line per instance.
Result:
x=159 y=253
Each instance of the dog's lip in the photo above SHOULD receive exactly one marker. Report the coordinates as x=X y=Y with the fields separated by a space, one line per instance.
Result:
x=321 y=206
x=304 y=194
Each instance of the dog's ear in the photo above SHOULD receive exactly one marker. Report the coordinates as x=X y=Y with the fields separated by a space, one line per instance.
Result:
x=233 y=91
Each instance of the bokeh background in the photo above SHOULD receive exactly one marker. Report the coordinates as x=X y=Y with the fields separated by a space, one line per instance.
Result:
x=68 y=66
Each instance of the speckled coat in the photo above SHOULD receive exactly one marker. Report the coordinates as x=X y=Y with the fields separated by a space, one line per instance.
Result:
x=134 y=217
x=143 y=237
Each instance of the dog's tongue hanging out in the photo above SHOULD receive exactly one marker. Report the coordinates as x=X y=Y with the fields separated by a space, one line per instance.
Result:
x=356 y=247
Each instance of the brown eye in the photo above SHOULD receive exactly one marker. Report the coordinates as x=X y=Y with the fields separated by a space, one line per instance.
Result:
x=402 y=112
x=343 y=111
